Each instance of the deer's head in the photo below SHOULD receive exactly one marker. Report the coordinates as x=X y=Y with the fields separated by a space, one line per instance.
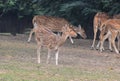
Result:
x=81 y=31
x=69 y=30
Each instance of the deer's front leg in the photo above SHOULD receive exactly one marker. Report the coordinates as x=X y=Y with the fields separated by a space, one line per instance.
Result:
x=71 y=39
x=95 y=33
x=56 y=56
x=38 y=53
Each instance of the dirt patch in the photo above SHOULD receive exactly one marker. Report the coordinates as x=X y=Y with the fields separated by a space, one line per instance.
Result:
x=77 y=54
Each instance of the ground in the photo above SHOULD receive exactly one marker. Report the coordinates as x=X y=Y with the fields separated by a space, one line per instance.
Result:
x=77 y=62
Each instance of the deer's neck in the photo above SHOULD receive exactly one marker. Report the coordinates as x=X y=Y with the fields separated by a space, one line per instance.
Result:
x=62 y=39
x=76 y=29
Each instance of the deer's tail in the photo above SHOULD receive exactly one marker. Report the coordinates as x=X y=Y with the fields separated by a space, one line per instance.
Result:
x=34 y=21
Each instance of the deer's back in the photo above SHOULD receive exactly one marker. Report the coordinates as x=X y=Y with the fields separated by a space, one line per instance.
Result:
x=46 y=38
x=113 y=24
x=100 y=18
x=53 y=23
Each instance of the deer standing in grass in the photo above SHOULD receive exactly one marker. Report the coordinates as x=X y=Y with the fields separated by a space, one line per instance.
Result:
x=45 y=37
x=99 y=18
x=56 y=24
x=113 y=29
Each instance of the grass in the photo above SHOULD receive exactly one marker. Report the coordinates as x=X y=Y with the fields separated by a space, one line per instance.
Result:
x=33 y=72
x=18 y=63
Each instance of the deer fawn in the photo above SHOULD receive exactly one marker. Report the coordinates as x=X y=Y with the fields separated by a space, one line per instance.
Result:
x=45 y=37
x=113 y=28
x=99 y=18
x=55 y=24
x=105 y=30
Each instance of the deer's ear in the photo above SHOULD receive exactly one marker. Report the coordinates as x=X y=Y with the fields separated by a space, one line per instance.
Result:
x=79 y=26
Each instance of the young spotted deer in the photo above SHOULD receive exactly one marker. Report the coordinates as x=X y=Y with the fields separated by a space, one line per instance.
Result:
x=55 y=24
x=46 y=38
x=112 y=26
x=105 y=31
x=99 y=18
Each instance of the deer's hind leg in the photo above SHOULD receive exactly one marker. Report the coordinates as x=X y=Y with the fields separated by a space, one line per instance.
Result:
x=30 y=35
x=114 y=35
x=48 y=56
x=103 y=39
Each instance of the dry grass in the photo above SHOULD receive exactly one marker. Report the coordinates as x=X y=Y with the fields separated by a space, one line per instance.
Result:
x=76 y=62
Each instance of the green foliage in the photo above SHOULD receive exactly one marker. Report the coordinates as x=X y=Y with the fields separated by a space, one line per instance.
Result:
x=61 y=8
x=20 y=8
x=115 y=8
x=76 y=11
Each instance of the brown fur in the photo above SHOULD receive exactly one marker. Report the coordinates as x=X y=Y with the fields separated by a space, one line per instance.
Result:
x=113 y=28
x=55 y=24
x=116 y=16
x=99 y=18
x=47 y=38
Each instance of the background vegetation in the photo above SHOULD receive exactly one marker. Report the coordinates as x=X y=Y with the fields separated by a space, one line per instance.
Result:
x=75 y=11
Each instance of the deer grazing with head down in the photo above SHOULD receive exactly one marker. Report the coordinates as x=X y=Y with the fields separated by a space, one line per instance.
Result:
x=99 y=18
x=55 y=24
x=46 y=38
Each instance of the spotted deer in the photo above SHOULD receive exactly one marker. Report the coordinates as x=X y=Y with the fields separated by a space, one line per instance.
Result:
x=99 y=18
x=46 y=38
x=105 y=31
x=55 y=24
x=112 y=26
